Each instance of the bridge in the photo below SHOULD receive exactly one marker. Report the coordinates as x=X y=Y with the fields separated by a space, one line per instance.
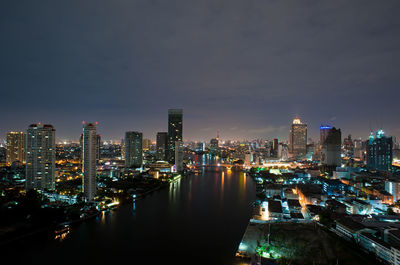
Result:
x=265 y=165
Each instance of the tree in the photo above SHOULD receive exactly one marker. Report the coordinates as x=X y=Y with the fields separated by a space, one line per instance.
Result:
x=390 y=211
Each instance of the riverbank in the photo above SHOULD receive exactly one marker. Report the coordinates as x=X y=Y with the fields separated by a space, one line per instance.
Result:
x=26 y=230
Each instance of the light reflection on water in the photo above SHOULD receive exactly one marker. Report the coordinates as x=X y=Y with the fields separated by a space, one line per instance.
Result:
x=174 y=190
x=61 y=237
x=183 y=218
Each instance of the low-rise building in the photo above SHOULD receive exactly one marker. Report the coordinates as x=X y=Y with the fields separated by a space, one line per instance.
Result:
x=349 y=228
x=309 y=194
x=383 y=250
x=275 y=209
x=294 y=205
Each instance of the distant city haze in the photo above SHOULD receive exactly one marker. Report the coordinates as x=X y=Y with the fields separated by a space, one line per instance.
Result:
x=246 y=68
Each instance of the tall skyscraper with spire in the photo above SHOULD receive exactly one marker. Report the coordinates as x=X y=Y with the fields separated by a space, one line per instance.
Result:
x=89 y=159
x=175 y=131
x=40 y=157
x=298 y=138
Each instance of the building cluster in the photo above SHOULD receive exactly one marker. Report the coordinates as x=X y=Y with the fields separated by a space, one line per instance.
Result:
x=358 y=202
x=350 y=186
x=37 y=151
x=360 y=206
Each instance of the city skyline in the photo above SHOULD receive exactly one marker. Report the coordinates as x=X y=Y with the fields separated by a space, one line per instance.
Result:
x=246 y=70
x=282 y=133
x=200 y=132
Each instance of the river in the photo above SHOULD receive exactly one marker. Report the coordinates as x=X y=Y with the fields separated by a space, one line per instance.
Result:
x=200 y=219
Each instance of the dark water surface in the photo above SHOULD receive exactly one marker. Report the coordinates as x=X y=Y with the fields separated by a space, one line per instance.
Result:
x=198 y=220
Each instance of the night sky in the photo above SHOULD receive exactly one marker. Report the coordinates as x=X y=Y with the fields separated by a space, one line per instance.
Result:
x=244 y=67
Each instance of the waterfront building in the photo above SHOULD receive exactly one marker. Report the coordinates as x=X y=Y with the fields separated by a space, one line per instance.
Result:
x=161 y=146
x=331 y=148
x=175 y=131
x=298 y=138
x=379 y=152
x=89 y=157
x=200 y=147
x=40 y=157
x=133 y=149
x=16 y=143
x=179 y=156
x=214 y=144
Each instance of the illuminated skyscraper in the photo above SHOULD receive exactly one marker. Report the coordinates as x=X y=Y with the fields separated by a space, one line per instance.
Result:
x=40 y=157
x=133 y=149
x=323 y=133
x=379 y=152
x=175 y=131
x=89 y=160
x=16 y=142
x=161 y=146
x=146 y=144
x=298 y=138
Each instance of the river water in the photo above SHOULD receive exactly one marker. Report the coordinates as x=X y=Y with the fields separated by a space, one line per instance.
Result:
x=200 y=219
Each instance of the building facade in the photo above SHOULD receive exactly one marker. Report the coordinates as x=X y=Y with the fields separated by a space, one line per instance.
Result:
x=331 y=148
x=393 y=187
x=40 y=157
x=379 y=152
x=175 y=131
x=298 y=138
x=89 y=159
x=161 y=146
x=146 y=144
x=16 y=145
x=133 y=149
x=179 y=156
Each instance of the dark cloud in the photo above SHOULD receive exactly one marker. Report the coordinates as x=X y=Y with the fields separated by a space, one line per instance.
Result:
x=251 y=65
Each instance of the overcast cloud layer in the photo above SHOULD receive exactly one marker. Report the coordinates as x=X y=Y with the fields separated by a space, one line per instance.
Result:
x=243 y=67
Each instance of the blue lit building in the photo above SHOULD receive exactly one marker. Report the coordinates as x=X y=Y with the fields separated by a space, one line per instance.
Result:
x=379 y=152
x=334 y=187
x=323 y=132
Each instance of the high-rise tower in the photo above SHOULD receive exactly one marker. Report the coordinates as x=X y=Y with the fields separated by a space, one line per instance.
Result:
x=40 y=157
x=379 y=152
x=16 y=144
x=161 y=145
x=298 y=138
x=133 y=149
x=89 y=159
x=175 y=131
x=331 y=148
x=179 y=156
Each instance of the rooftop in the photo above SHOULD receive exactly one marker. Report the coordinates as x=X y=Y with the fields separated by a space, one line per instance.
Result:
x=350 y=224
x=274 y=206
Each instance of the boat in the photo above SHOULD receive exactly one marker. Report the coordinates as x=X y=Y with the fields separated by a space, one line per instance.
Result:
x=62 y=229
